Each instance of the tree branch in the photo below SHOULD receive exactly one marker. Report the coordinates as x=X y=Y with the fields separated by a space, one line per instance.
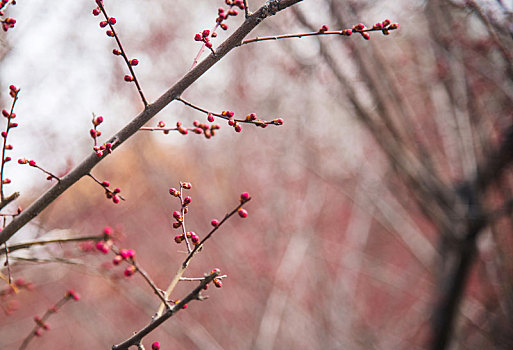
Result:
x=85 y=167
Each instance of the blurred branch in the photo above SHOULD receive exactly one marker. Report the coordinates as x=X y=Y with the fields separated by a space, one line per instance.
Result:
x=85 y=167
x=27 y=245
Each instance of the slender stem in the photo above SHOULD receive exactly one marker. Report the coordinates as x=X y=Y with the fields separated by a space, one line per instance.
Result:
x=47 y=172
x=8 y=127
x=192 y=279
x=152 y=284
x=246 y=8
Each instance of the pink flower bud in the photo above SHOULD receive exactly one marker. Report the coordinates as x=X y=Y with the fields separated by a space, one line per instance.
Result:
x=117 y=259
x=72 y=294
x=244 y=196
x=96 y=11
x=174 y=192
x=214 y=223
x=198 y=37
x=129 y=271
x=155 y=346
x=210 y=118
x=243 y=213
x=116 y=52
x=205 y=33
x=128 y=78
x=103 y=24
x=32 y=162
x=187 y=200
x=134 y=62
x=112 y=21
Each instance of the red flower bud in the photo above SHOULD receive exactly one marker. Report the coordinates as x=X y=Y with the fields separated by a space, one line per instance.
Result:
x=243 y=213
x=112 y=21
x=217 y=282
x=134 y=62
x=103 y=24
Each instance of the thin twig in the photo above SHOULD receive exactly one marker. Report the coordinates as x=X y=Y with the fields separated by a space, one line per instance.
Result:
x=125 y=57
x=257 y=122
x=320 y=33
x=9 y=199
x=246 y=9
x=41 y=322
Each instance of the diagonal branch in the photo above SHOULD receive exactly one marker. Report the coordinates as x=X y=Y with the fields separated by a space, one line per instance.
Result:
x=270 y=8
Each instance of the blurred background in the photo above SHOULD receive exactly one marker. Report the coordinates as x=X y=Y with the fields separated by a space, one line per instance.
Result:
x=359 y=203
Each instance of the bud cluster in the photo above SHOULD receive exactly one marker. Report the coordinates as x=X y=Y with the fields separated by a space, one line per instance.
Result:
x=385 y=27
x=111 y=194
x=198 y=128
x=222 y=15
x=105 y=244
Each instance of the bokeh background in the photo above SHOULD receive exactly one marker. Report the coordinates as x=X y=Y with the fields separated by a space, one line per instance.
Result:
x=342 y=248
